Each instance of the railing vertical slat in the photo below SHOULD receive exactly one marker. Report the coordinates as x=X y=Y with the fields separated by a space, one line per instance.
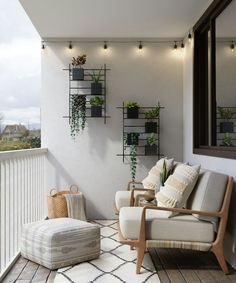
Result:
x=22 y=197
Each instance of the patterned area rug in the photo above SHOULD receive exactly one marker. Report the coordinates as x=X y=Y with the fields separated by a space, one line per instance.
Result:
x=116 y=263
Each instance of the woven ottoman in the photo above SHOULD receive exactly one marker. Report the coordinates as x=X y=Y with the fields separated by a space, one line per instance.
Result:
x=60 y=242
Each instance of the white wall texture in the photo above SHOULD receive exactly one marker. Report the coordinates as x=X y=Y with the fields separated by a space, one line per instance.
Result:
x=155 y=73
x=226 y=166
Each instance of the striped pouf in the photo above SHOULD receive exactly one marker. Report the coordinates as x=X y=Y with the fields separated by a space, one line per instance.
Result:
x=60 y=242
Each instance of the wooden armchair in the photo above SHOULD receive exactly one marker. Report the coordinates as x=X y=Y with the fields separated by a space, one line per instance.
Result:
x=135 y=191
x=148 y=227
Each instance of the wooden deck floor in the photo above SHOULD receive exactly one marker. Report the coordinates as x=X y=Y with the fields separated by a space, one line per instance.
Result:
x=183 y=266
x=25 y=271
x=172 y=265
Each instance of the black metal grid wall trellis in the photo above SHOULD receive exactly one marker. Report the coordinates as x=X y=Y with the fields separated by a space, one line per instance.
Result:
x=138 y=127
x=220 y=135
x=83 y=87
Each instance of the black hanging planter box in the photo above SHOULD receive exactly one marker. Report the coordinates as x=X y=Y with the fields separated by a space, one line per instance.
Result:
x=132 y=113
x=96 y=111
x=150 y=149
x=78 y=74
x=151 y=127
x=96 y=88
x=132 y=139
x=226 y=127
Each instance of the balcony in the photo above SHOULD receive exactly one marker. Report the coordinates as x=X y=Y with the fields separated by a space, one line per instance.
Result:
x=22 y=197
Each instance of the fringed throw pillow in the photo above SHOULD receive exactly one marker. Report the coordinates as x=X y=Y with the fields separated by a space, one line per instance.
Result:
x=178 y=187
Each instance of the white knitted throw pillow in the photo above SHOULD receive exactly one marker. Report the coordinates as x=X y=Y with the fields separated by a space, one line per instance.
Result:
x=178 y=187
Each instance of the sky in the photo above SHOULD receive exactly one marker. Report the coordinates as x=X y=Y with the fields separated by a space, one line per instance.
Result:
x=20 y=66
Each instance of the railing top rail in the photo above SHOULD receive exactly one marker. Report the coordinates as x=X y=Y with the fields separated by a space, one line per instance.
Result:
x=5 y=155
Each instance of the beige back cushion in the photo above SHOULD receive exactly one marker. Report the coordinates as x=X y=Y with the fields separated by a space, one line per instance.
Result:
x=208 y=193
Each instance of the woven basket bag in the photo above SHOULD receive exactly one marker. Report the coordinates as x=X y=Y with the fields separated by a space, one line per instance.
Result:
x=57 y=206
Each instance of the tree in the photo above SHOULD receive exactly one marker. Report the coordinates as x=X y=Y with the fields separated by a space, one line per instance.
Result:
x=1 y=120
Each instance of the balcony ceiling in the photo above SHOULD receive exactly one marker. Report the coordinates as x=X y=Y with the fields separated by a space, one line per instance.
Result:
x=114 y=18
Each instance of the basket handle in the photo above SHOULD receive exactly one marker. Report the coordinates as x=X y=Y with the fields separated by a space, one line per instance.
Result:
x=74 y=189
x=53 y=192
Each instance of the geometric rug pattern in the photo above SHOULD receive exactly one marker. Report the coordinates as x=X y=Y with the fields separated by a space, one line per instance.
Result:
x=117 y=263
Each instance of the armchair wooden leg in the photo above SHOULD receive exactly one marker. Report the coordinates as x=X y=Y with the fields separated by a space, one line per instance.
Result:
x=219 y=253
x=140 y=255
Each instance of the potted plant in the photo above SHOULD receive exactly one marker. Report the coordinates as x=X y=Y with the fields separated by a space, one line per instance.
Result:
x=151 y=147
x=78 y=114
x=132 y=109
x=96 y=85
x=77 y=70
x=165 y=174
x=226 y=114
x=132 y=138
x=227 y=141
x=96 y=106
x=151 y=126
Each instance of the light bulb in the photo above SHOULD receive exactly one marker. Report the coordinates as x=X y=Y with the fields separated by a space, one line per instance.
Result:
x=140 y=45
x=175 y=46
x=105 y=45
x=189 y=36
x=232 y=46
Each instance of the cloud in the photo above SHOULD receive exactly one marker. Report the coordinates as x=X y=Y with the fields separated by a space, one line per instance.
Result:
x=20 y=64
x=14 y=21
x=29 y=115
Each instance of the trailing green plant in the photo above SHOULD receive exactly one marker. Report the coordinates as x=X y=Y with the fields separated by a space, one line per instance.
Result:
x=151 y=140
x=227 y=141
x=133 y=154
x=133 y=161
x=165 y=174
x=96 y=78
x=79 y=61
x=78 y=114
x=153 y=113
x=96 y=101
x=225 y=113
x=131 y=104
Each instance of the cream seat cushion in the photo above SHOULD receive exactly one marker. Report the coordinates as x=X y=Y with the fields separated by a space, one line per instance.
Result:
x=160 y=227
x=122 y=198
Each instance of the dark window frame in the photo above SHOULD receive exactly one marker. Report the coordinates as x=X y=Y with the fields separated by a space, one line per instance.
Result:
x=200 y=84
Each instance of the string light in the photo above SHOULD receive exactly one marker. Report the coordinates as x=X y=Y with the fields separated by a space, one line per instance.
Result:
x=189 y=36
x=43 y=45
x=232 y=46
x=140 y=45
x=175 y=46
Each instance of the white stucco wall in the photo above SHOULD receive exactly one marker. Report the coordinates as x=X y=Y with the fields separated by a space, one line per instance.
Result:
x=226 y=166
x=153 y=74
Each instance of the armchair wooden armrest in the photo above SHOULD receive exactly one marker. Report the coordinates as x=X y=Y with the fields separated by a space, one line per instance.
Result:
x=133 y=183
x=179 y=210
x=184 y=211
x=132 y=198
x=142 y=236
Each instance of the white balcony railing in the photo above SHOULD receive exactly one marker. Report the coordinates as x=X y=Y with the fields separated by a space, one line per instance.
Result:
x=22 y=197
